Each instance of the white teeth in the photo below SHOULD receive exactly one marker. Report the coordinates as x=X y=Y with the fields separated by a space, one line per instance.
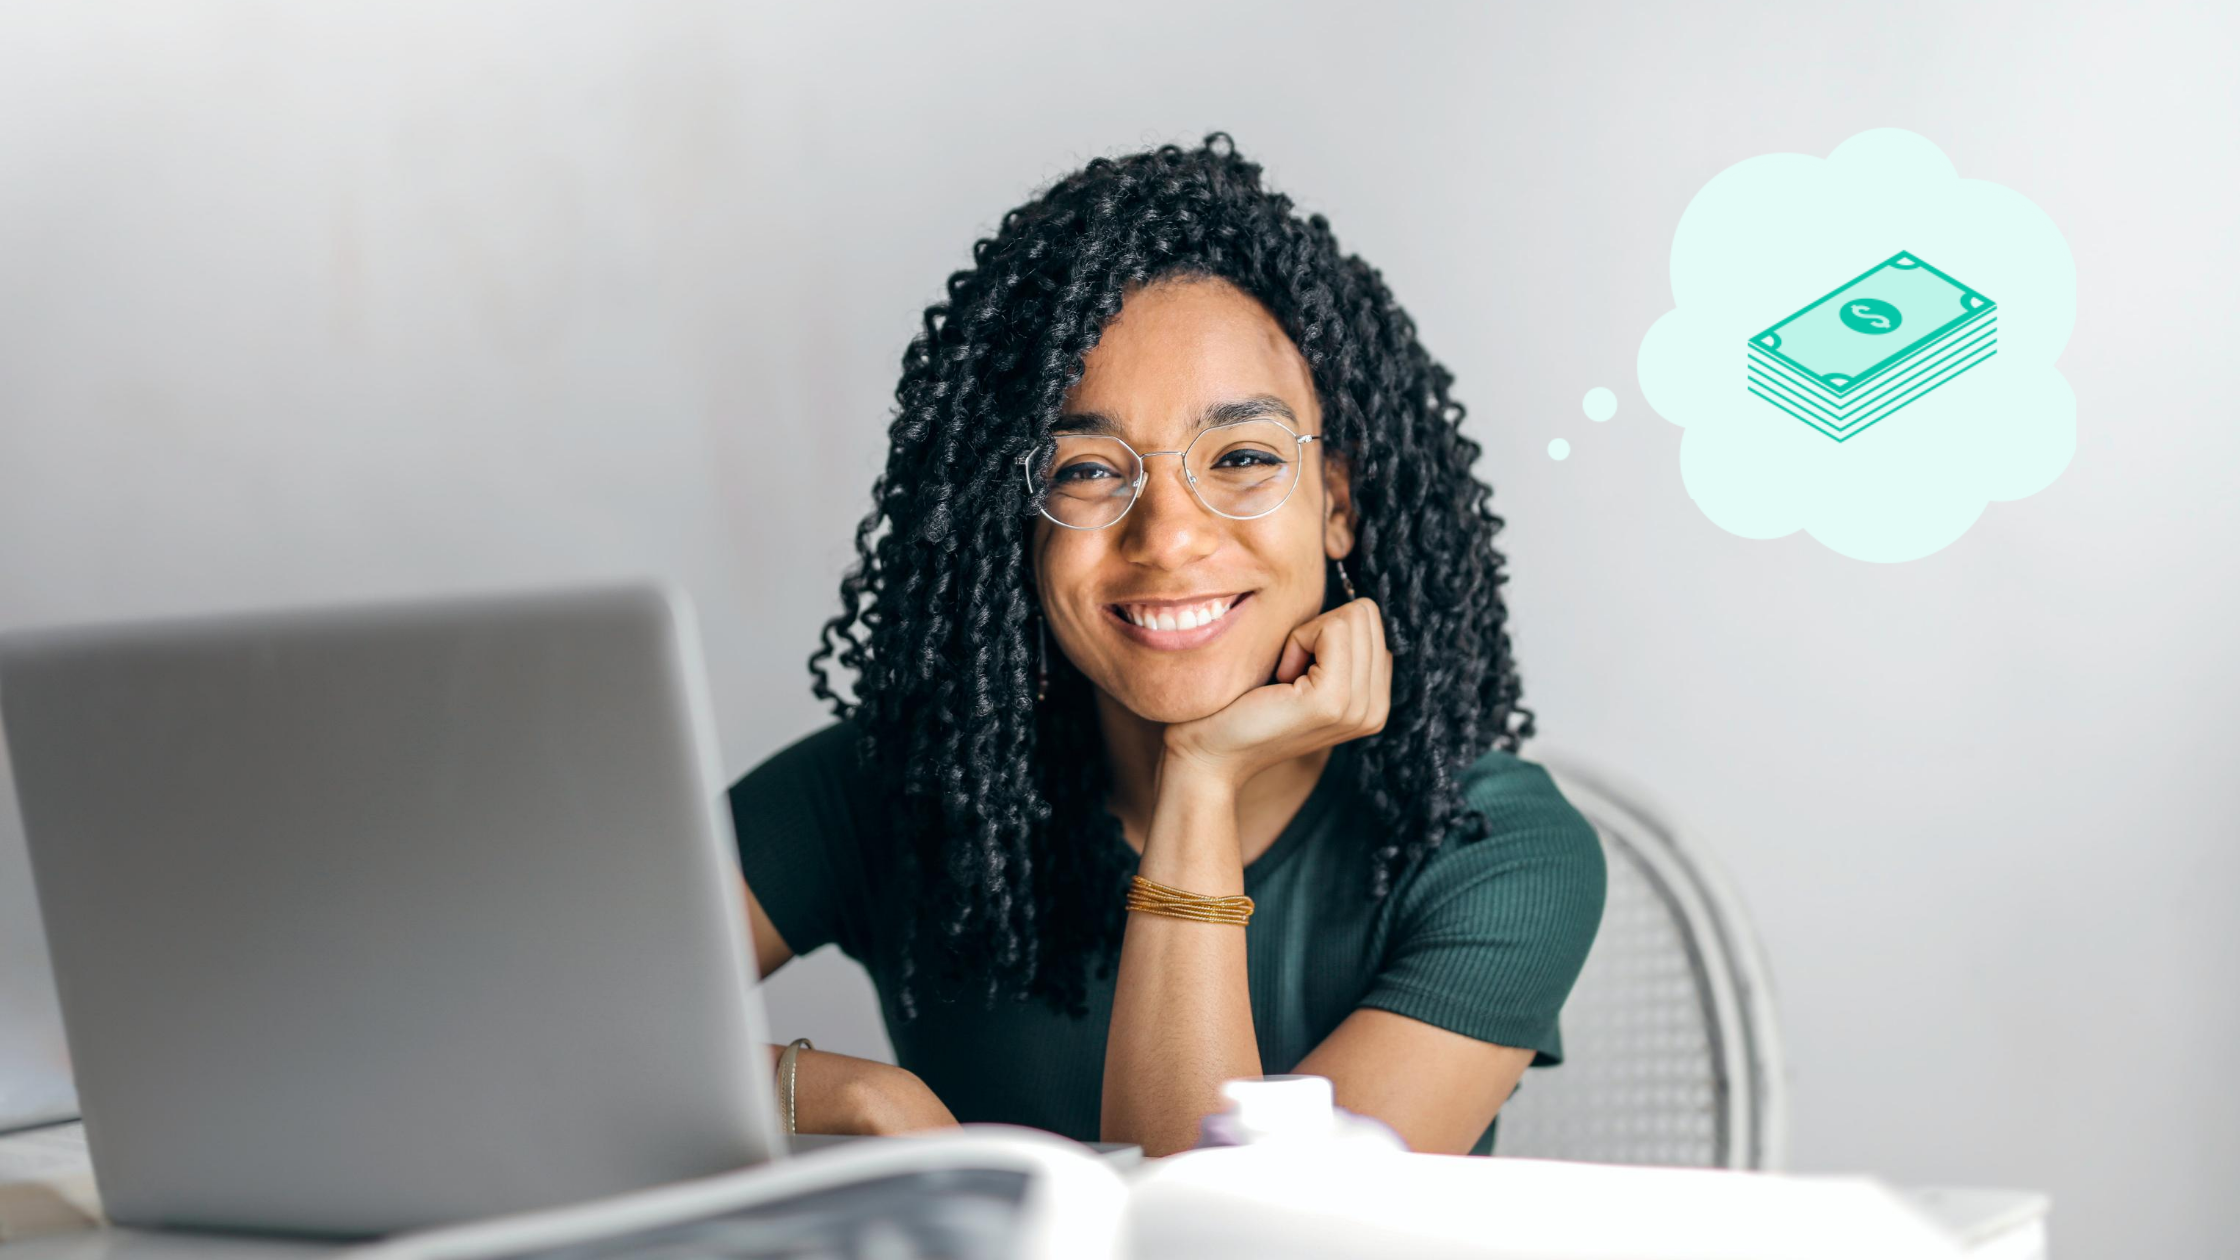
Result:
x=1189 y=618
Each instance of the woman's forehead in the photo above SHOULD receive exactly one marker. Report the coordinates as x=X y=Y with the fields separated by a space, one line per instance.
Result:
x=1179 y=353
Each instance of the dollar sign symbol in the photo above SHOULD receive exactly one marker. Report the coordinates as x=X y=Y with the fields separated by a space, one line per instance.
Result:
x=1871 y=316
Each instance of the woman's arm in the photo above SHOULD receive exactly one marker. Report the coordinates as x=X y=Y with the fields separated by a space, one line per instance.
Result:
x=1438 y=1089
x=839 y=1093
x=1181 y=1010
x=770 y=949
x=1181 y=1006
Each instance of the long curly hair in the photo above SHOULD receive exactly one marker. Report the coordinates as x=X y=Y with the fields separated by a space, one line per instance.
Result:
x=1013 y=864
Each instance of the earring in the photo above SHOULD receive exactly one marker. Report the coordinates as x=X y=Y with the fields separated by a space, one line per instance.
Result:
x=1346 y=581
x=1041 y=660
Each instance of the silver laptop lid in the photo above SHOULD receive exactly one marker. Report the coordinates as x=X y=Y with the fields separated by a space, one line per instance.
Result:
x=378 y=917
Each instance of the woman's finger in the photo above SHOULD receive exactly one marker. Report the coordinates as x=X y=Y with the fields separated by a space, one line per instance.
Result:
x=1346 y=665
x=1305 y=648
x=1300 y=649
x=1380 y=687
x=1334 y=654
x=1364 y=662
x=1380 y=676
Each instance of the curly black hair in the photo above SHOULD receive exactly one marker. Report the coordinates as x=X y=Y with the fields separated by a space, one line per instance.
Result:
x=998 y=802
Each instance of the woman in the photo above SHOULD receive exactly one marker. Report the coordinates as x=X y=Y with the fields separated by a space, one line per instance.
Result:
x=1184 y=578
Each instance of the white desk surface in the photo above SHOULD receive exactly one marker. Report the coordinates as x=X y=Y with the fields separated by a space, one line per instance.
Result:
x=44 y=1178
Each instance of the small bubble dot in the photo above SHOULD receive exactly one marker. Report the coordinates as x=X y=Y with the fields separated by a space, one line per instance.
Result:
x=1559 y=449
x=1599 y=404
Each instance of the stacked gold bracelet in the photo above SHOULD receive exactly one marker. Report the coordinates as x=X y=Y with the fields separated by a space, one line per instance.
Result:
x=1156 y=898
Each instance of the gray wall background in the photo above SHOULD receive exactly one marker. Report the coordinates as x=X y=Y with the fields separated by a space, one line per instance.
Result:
x=301 y=303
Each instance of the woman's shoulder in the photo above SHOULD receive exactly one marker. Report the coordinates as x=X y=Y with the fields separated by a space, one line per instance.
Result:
x=816 y=783
x=1534 y=838
x=1517 y=794
x=802 y=817
x=827 y=751
x=1489 y=933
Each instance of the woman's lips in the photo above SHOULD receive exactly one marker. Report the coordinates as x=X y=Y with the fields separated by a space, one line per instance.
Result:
x=1176 y=640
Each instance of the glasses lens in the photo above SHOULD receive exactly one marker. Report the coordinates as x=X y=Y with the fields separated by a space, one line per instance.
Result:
x=1083 y=481
x=1246 y=469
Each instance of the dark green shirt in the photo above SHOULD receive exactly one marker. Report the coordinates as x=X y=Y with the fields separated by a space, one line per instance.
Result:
x=1483 y=939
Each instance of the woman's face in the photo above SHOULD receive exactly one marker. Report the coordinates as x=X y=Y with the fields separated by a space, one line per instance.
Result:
x=1176 y=350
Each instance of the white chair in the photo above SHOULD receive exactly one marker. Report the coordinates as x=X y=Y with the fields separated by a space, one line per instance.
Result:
x=1671 y=1055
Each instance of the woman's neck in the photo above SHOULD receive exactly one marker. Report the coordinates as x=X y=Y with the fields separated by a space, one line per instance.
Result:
x=1135 y=747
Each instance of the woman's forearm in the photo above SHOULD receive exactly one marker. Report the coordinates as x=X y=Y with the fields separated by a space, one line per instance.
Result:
x=1181 y=1005
x=839 y=1093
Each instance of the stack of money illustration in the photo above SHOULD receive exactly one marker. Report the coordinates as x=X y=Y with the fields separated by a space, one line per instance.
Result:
x=1873 y=347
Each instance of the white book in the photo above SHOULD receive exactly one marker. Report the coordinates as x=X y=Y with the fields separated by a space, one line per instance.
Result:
x=1039 y=1196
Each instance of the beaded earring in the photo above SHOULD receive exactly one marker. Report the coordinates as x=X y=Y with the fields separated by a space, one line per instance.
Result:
x=1346 y=581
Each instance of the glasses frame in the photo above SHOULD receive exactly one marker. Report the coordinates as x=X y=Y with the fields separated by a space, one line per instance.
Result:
x=1143 y=471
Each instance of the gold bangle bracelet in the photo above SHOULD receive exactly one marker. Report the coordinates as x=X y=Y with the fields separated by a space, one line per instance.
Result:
x=787 y=1061
x=1153 y=897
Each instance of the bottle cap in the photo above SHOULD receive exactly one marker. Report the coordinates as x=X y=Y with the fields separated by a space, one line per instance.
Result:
x=1283 y=1106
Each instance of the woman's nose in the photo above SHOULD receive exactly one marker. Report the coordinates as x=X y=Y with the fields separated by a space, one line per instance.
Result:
x=1167 y=526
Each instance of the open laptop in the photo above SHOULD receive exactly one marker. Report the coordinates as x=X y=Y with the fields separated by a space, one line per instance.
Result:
x=375 y=918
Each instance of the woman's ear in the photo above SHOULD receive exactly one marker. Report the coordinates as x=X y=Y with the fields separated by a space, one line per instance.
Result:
x=1337 y=512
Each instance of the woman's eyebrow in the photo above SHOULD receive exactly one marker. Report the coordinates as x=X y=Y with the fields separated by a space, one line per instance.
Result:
x=1214 y=413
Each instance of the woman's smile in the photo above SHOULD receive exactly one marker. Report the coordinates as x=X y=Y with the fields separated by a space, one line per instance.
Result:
x=1172 y=625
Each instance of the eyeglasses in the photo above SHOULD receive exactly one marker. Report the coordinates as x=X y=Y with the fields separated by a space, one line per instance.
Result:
x=1240 y=470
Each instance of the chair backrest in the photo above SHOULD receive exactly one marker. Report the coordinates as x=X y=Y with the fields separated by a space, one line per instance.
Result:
x=1671 y=1054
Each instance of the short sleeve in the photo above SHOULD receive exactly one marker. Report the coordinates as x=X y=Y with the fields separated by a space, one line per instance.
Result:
x=1489 y=935
x=799 y=830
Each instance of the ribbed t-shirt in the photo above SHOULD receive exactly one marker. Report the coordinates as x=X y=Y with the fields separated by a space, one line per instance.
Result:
x=1483 y=938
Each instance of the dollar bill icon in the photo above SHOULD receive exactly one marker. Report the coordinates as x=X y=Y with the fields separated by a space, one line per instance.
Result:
x=1873 y=346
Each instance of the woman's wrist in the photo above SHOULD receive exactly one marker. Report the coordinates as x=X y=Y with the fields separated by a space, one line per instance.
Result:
x=842 y=1094
x=887 y=1099
x=1188 y=780
x=1192 y=843
x=1192 y=772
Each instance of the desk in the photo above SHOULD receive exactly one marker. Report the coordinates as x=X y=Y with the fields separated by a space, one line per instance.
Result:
x=1201 y=1214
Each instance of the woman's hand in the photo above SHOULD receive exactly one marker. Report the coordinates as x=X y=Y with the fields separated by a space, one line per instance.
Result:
x=1333 y=683
x=838 y=1093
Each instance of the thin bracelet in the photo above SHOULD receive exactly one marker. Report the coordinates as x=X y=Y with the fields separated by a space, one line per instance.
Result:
x=786 y=1065
x=1152 y=897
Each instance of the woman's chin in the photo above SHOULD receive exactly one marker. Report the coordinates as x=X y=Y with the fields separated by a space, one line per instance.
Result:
x=1183 y=703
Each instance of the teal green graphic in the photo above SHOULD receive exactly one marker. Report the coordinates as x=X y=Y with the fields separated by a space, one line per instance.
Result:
x=1978 y=413
x=1872 y=316
x=1834 y=366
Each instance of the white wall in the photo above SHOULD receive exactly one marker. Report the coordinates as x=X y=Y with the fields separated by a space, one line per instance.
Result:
x=300 y=303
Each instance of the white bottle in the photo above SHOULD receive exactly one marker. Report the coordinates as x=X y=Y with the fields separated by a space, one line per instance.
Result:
x=1292 y=1110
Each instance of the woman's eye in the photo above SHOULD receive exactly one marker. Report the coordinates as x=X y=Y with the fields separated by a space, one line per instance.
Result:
x=1088 y=472
x=1250 y=459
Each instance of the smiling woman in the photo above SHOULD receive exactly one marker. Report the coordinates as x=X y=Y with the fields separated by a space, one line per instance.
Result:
x=1184 y=730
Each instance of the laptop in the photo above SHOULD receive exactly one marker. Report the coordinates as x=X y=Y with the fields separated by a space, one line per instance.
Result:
x=374 y=918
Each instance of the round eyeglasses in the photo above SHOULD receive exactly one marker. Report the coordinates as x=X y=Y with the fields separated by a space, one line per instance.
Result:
x=1240 y=470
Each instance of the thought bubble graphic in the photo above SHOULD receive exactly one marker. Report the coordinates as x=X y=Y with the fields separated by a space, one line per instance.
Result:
x=1928 y=426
